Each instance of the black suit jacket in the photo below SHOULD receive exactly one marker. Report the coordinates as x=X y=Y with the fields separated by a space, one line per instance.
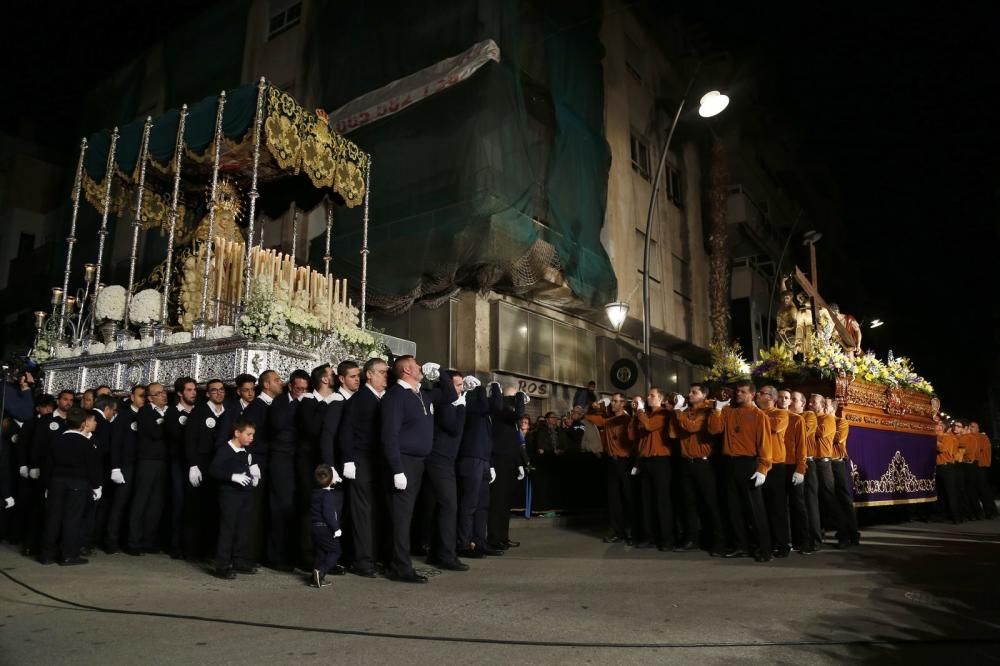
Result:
x=201 y=436
x=329 y=452
x=282 y=426
x=150 y=444
x=360 y=428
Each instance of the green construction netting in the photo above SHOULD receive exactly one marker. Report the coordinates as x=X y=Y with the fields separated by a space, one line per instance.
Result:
x=487 y=184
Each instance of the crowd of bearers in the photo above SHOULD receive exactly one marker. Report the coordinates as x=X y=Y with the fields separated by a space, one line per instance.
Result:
x=328 y=472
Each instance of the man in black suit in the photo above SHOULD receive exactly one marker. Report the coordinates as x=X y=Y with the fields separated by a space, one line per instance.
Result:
x=200 y=442
x=283 y=440
x=150 y=474
x=348 y=379
x=311 y=414
x=407 y=439
x=46 y=432
x=123 y=446
x=95 y=517
x=29 y=499
x=361 y=445
x=507 y=467
x=474 y=468
x=174 y=429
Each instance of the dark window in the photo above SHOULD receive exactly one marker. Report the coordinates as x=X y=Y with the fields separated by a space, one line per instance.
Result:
x=640 y=154
x=284 y=16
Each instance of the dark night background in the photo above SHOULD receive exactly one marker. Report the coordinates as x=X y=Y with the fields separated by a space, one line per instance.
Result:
x=893 y=104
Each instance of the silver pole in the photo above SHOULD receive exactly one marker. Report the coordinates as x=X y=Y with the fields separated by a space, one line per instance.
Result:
x=106 y=203
x=364 y=241
x=178 y=156
x=143 y=155
x=329 y=231
x=199 y=324
x=71 y=239
x=258 y=121
x=295 y=238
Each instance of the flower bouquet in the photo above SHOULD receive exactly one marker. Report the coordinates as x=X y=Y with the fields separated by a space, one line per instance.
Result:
x=728 y=365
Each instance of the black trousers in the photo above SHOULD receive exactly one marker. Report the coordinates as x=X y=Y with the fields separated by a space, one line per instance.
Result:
x=814 y=524
x=986 y=492
x=948 y=498
x=802 y=538
x=235 y=516
x=473 y=502
x=121 y=497
x=776 y=503
x=621 y=510
x=64 y=510
x=201 y=516
x=30 y=512
x=401 y=505
x=306 y=461
x=657 y=508
x=844 y=499
x=501 y=500
x=443 y=485
x=178 y=479
x=366 y=506
x=147 y=503
x=281 y=543
x=746 y=505
x=969 y=487
x=326 y=548
x=700 y=496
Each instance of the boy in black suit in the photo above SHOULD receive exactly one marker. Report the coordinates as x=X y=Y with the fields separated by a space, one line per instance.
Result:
x=324 y=518
x=237 y=475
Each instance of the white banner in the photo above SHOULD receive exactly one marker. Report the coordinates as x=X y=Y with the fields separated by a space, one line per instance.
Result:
x=399 y=94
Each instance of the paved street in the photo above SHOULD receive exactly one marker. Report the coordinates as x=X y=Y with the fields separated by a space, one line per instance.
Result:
x=918 y=592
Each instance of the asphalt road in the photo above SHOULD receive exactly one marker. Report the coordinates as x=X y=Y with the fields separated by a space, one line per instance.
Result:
x=918 y=593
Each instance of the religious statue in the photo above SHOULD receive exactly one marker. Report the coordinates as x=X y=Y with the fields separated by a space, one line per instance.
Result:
x=803 y=325
x=787 y=320
x=228 y=209
x=852 y=326
x=825 y=328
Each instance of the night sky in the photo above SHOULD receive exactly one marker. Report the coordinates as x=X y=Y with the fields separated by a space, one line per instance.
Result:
x=893 y=104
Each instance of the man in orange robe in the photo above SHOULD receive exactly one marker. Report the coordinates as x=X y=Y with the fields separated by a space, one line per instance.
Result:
x=795 y=469
x=619 y=449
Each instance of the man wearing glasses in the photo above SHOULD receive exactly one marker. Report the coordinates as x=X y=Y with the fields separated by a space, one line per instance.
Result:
x=150 y=474
x=199 y=446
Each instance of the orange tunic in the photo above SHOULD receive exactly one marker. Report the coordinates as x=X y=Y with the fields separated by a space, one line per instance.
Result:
x=650 y=431
x=968 y=445
x=946 y=447
x=746 y=431
x=691 y=428
x=809 y=425
x=840 y=438
x=779 y=424
x=614 y=433
x=984 y=450
x=826 y=429
x=795 y=443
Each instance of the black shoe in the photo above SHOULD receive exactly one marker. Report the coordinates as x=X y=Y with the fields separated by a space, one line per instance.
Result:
x=245 y=570
x=512 y=544
x=614 y=538
x=224 y=573
x=684 y=547
x=337 y=570
x=716 y=553
x=762 y=558
x=134 y=552
x=491 y=551
x=454 y=565
x=803 y=551
x=364 y=573
x=86 y=551
x=46 y=561
x=471 y=553
x=781 y=552
x=645 y=544
x=735 y=553
x=71 y=561
x=843 y=545
x=318 y=580
x=856 y=540
x=411 y=577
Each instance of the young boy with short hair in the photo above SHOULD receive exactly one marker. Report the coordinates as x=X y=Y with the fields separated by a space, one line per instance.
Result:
x=234 y=469
x=324 y=518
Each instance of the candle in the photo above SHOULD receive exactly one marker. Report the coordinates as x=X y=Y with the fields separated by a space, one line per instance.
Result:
x=336 y=292
x=70 y=304
x=57 y=295
x=88 y=272
x=343 y=291
x=39 y=319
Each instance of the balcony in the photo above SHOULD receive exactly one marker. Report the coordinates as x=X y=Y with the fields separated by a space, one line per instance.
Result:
x=755 y=234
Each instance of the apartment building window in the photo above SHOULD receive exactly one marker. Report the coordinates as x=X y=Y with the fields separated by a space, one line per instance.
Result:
x=675 y=187
x=284 y=16
x=682 y=277
x=633 y=58
x=654 y=256
x=640 y=154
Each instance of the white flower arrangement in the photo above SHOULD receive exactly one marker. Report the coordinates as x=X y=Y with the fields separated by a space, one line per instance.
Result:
x=110 y=304
x=179 y=338
x=145 y=308
x=63 y=351
x=264 y=316
x=219 y=332
x=299 y=317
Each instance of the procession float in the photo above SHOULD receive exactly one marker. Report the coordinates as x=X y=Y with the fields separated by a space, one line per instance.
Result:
x=219 y=303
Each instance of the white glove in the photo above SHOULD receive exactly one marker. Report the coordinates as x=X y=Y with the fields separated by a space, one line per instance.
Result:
x=758 y=479
x=460 y=402
x=46 y=495
x=681 y=408
x=34 y=472
x=23 y=471
x=520 y=473
x=336 y=477
x=350 y=471
x=639 y=404
x=606 y=401
x=399 y=480
x=635 y=471
x=336 y=535
x=8 y=503
x=242 y=479
x=432 y=371
x=255 y=481
x=117 y=476
x=719 y=404
x=527 y=399
x=96 y=493
x=680 y=404
x=255 y=472
x=471 y=382
x=493 y=474
x=798 y=479
x=194 y=476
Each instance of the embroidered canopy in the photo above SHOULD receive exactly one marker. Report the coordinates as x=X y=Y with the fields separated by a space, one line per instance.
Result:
x=301 y=158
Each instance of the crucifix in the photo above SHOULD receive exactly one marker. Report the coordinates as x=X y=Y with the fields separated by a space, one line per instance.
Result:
x=810 y=288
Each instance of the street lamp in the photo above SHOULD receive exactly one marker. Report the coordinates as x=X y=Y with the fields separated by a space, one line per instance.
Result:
x=617 y=313
x=875 y=323
x=711 y=104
